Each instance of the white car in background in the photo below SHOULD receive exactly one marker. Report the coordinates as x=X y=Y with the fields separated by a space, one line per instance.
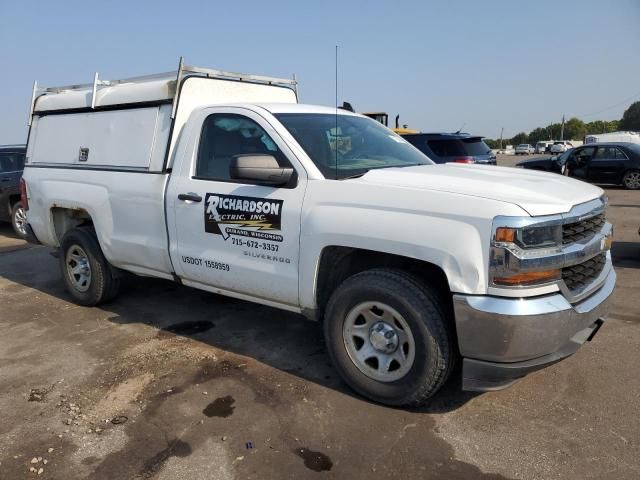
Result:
x=561 y=147
x=541 y=147
x=524 y=149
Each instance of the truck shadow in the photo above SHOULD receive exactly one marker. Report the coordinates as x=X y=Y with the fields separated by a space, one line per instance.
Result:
x=279 y=339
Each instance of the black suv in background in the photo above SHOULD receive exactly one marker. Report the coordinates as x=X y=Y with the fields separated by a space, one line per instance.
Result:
x=11 y=166
x=452 y=147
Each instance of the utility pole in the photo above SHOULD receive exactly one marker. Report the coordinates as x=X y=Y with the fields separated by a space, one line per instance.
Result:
x=562 y=129
x=501 y=130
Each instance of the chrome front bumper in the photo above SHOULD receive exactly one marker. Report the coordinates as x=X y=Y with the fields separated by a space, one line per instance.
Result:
x=503 y=339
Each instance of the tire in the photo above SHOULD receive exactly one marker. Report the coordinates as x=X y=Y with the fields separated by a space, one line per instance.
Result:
x=407 y=301
x=19 y=220
x=631 y=180
x=95 y=281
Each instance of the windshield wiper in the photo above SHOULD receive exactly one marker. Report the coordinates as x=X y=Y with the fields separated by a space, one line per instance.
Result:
x=358 y=175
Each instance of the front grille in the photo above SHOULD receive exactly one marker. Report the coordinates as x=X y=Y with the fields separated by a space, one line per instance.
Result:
x=584 y=230
x=580 y=276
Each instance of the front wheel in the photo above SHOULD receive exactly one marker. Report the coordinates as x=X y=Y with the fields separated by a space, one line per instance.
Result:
x=87 y=275
x=388 y=337
x=631 y=180
x=19 y=220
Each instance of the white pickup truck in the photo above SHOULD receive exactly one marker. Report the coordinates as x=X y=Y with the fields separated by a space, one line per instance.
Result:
x=223 y=182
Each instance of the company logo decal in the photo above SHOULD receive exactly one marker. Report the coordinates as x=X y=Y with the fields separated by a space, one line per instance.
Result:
x=252 y=217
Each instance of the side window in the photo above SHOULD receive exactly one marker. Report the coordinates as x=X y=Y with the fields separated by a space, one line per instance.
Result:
x=605 y=153
x=585 y=153
x=225 y=135
x=620 y=155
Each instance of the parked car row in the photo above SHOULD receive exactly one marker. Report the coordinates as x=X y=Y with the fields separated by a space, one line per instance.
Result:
x=11 y=167
x=605 y=163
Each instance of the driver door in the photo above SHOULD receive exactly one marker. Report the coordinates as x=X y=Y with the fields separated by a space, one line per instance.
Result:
x=236 y=237
x=579 y=162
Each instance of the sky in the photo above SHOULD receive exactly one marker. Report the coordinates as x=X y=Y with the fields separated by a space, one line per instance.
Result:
x=441 y=65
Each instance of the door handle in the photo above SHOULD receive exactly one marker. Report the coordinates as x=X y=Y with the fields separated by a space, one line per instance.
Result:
x=190 y=197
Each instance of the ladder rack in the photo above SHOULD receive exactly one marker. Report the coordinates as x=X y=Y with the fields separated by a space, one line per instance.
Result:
x=177 y=76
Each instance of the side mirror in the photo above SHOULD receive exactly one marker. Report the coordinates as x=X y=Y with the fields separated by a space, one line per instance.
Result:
x=259 y=168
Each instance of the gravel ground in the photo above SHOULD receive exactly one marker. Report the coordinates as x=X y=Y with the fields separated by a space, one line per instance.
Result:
x=173 y=383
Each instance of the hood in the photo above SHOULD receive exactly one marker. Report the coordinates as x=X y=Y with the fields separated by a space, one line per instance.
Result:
x=538 y=193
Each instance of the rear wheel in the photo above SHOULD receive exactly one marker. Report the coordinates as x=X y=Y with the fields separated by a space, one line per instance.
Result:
x=87 y=275
x=631 y=179
x=19 y=220
x=388 y=336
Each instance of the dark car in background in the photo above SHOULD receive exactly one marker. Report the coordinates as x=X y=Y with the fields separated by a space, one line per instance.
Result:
x=11 y=167
x=551 y=163
x=616 y=163
x=452 y=147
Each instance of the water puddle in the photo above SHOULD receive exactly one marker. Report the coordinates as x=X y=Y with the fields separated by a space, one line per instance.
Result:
x=316 y=461
x=220 y=407
x=189 y=328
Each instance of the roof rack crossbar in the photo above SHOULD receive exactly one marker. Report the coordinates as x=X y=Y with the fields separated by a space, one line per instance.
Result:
x=182 y=71
x=211 y=73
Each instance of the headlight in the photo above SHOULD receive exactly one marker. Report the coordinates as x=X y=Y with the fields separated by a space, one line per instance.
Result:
x=512 y=244
x=530 y=237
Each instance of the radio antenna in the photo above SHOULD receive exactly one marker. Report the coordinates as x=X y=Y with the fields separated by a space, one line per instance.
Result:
x=336 y=132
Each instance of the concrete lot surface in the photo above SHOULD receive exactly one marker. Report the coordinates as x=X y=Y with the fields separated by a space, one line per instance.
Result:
x=167 y=382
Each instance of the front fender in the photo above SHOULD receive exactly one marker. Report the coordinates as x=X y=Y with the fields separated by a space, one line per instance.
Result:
x=448 y=230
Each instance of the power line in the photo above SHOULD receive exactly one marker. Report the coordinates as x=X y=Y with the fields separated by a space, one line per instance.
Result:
x=610 y=106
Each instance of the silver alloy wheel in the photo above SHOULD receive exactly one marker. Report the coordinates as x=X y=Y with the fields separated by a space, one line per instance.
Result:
x=20 y=221
x=379 y=341
x=632 y=180
x=78 y=268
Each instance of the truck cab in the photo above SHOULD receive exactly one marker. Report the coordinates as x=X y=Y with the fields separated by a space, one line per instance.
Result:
x=223 y=182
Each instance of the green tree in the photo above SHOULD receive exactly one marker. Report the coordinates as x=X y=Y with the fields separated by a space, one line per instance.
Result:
x=631 y=118
x=491 y=143
x=537 y=135
x=574 y=129
x=518 y=139
x=601 y=126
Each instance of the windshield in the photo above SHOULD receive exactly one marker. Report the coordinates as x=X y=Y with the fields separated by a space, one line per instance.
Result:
x=344 y=146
